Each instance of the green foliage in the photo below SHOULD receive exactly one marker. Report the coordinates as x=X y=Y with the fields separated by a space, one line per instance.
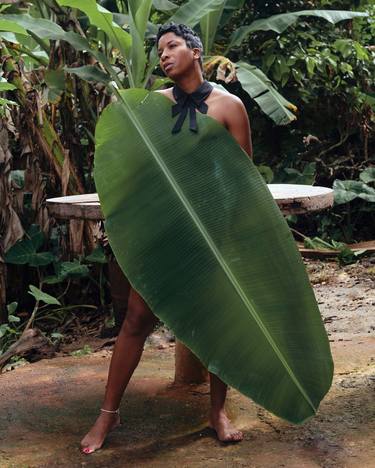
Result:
x=82 y=352
x=42 y=296
x=345 y=254
x=266 y=172
x=347 y=190
x=164 y=5
x=55 y=80
x=67 y=270
x=4 y=104
x=368 y=175
x=262 y=90
x=5 y=86
x=9 y=331
x=192 y=11
x=28 y=252
x=97 y=256
x=8 y=327
x=329 y=74
x=307 y=59
x=353 y=215
x=209 y=25
x=90 y=73
x=25 y=251
x=43 y=30
x=129 y=47
x=8 y=25
x=103 y=19
x=294 y=176
x=279 y=23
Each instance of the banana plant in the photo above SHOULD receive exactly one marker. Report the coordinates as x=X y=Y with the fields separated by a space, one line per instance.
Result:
x=131 y=45
x=254 y=81
x=43 y=132
x=46 y=30
x=211 y=16
x=199 y=236
x=279 y=23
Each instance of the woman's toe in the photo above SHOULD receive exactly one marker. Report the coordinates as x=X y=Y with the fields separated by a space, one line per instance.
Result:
x=87 y=450
x=236 y=436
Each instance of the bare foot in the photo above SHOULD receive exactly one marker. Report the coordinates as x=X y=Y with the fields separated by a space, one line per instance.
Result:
x=225 y=431
x=94 y=439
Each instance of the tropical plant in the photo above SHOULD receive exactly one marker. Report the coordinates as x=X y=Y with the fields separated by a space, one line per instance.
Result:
x=345 y=255
x=82 y=352
x=347 y=190
x=354 y=203
x=314 y=66
x=9 y=332
x=329 y=74
x=40 y=264
x=198 y=234
x=211 y=15
x=8 y=328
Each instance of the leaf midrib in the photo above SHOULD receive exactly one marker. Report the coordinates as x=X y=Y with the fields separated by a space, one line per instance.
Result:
x=214 y=249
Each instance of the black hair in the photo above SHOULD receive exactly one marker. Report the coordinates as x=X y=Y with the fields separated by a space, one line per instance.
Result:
x=191 y=37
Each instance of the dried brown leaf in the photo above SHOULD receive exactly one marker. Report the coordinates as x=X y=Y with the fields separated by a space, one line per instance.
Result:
x=65 y=173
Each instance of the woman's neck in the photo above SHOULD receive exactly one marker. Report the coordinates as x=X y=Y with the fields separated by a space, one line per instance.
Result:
x=190 y=83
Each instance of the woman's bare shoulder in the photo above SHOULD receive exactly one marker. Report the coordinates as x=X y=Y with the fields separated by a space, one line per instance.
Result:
x=166 y=92
x=225 y=96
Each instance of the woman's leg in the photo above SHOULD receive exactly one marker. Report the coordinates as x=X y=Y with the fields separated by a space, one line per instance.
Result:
x=138 y=324
x=218 y=418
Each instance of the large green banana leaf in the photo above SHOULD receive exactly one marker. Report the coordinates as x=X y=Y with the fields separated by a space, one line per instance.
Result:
x=279 y=23
x=262 y=90
x=198 y=234
x=103 y=19
x=209 y=25
x=46 y=29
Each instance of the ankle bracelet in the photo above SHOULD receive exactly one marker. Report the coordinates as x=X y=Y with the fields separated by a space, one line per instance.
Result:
x=110 y=411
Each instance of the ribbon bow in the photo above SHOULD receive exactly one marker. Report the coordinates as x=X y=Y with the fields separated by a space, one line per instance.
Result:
x=190 y=103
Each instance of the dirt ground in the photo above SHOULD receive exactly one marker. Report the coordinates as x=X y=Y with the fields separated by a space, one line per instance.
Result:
x=46 y=407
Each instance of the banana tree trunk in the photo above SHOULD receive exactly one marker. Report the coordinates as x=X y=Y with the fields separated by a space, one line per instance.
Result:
x=10 y=225
x=37 y=125
x=3 y=273
x=47 y=152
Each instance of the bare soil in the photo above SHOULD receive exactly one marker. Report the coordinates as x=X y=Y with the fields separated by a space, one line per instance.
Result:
x=46 y=407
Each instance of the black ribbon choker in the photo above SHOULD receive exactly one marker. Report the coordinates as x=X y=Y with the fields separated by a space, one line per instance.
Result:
x=190 y=102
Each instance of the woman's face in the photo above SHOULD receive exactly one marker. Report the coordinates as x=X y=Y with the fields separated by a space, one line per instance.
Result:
x=175 y=57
